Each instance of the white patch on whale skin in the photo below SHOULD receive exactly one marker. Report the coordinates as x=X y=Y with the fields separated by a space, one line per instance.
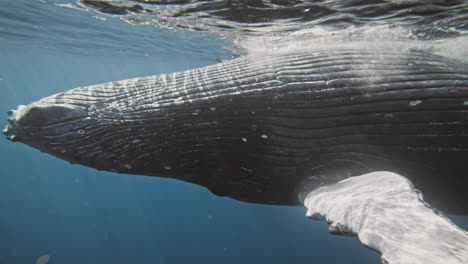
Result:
x=415 y=102
x=387 y=214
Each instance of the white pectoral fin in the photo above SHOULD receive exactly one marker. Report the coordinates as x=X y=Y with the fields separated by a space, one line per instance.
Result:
x=387 y=214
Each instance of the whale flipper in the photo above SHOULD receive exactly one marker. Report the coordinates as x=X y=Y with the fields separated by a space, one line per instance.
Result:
x=389 y=215
x=263 y=129
x=254 y=127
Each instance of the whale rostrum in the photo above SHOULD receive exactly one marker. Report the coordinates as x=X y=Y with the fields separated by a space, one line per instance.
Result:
x=262 y=129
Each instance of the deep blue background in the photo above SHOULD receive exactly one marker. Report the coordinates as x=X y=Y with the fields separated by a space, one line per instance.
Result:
x=79 y=215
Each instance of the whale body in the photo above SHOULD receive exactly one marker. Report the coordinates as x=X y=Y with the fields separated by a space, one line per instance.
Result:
x=263 y=129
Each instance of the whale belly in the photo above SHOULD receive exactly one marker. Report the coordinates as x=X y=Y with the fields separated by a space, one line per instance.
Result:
x=258 y=128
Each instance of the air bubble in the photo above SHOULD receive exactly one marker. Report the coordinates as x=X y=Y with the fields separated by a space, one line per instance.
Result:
x=80 y=132
x=167 y=167
x=415 y=102
x=264 y=136
x=244 y=139
x=213 y=108
x=135 y=141
x=128 y=166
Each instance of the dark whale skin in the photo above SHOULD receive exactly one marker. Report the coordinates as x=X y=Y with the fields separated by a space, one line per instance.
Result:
x=262 y=128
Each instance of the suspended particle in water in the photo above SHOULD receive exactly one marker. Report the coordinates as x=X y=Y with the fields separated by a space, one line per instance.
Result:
x=43 y=259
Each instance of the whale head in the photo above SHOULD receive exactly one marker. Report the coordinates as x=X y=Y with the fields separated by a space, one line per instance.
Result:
x=105 y=132
x=49 y=126
x=258 y=129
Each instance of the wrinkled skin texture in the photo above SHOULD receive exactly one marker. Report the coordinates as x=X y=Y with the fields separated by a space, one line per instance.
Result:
x=261 y=129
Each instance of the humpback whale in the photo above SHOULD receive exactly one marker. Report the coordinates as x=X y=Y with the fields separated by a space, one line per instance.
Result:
x=274 y=129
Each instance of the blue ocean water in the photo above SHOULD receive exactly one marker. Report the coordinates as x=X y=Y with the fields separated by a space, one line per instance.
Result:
x=79 y=215
x=76 y=214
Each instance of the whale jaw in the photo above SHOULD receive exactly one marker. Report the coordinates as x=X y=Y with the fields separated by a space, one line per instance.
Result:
x=255 y=128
